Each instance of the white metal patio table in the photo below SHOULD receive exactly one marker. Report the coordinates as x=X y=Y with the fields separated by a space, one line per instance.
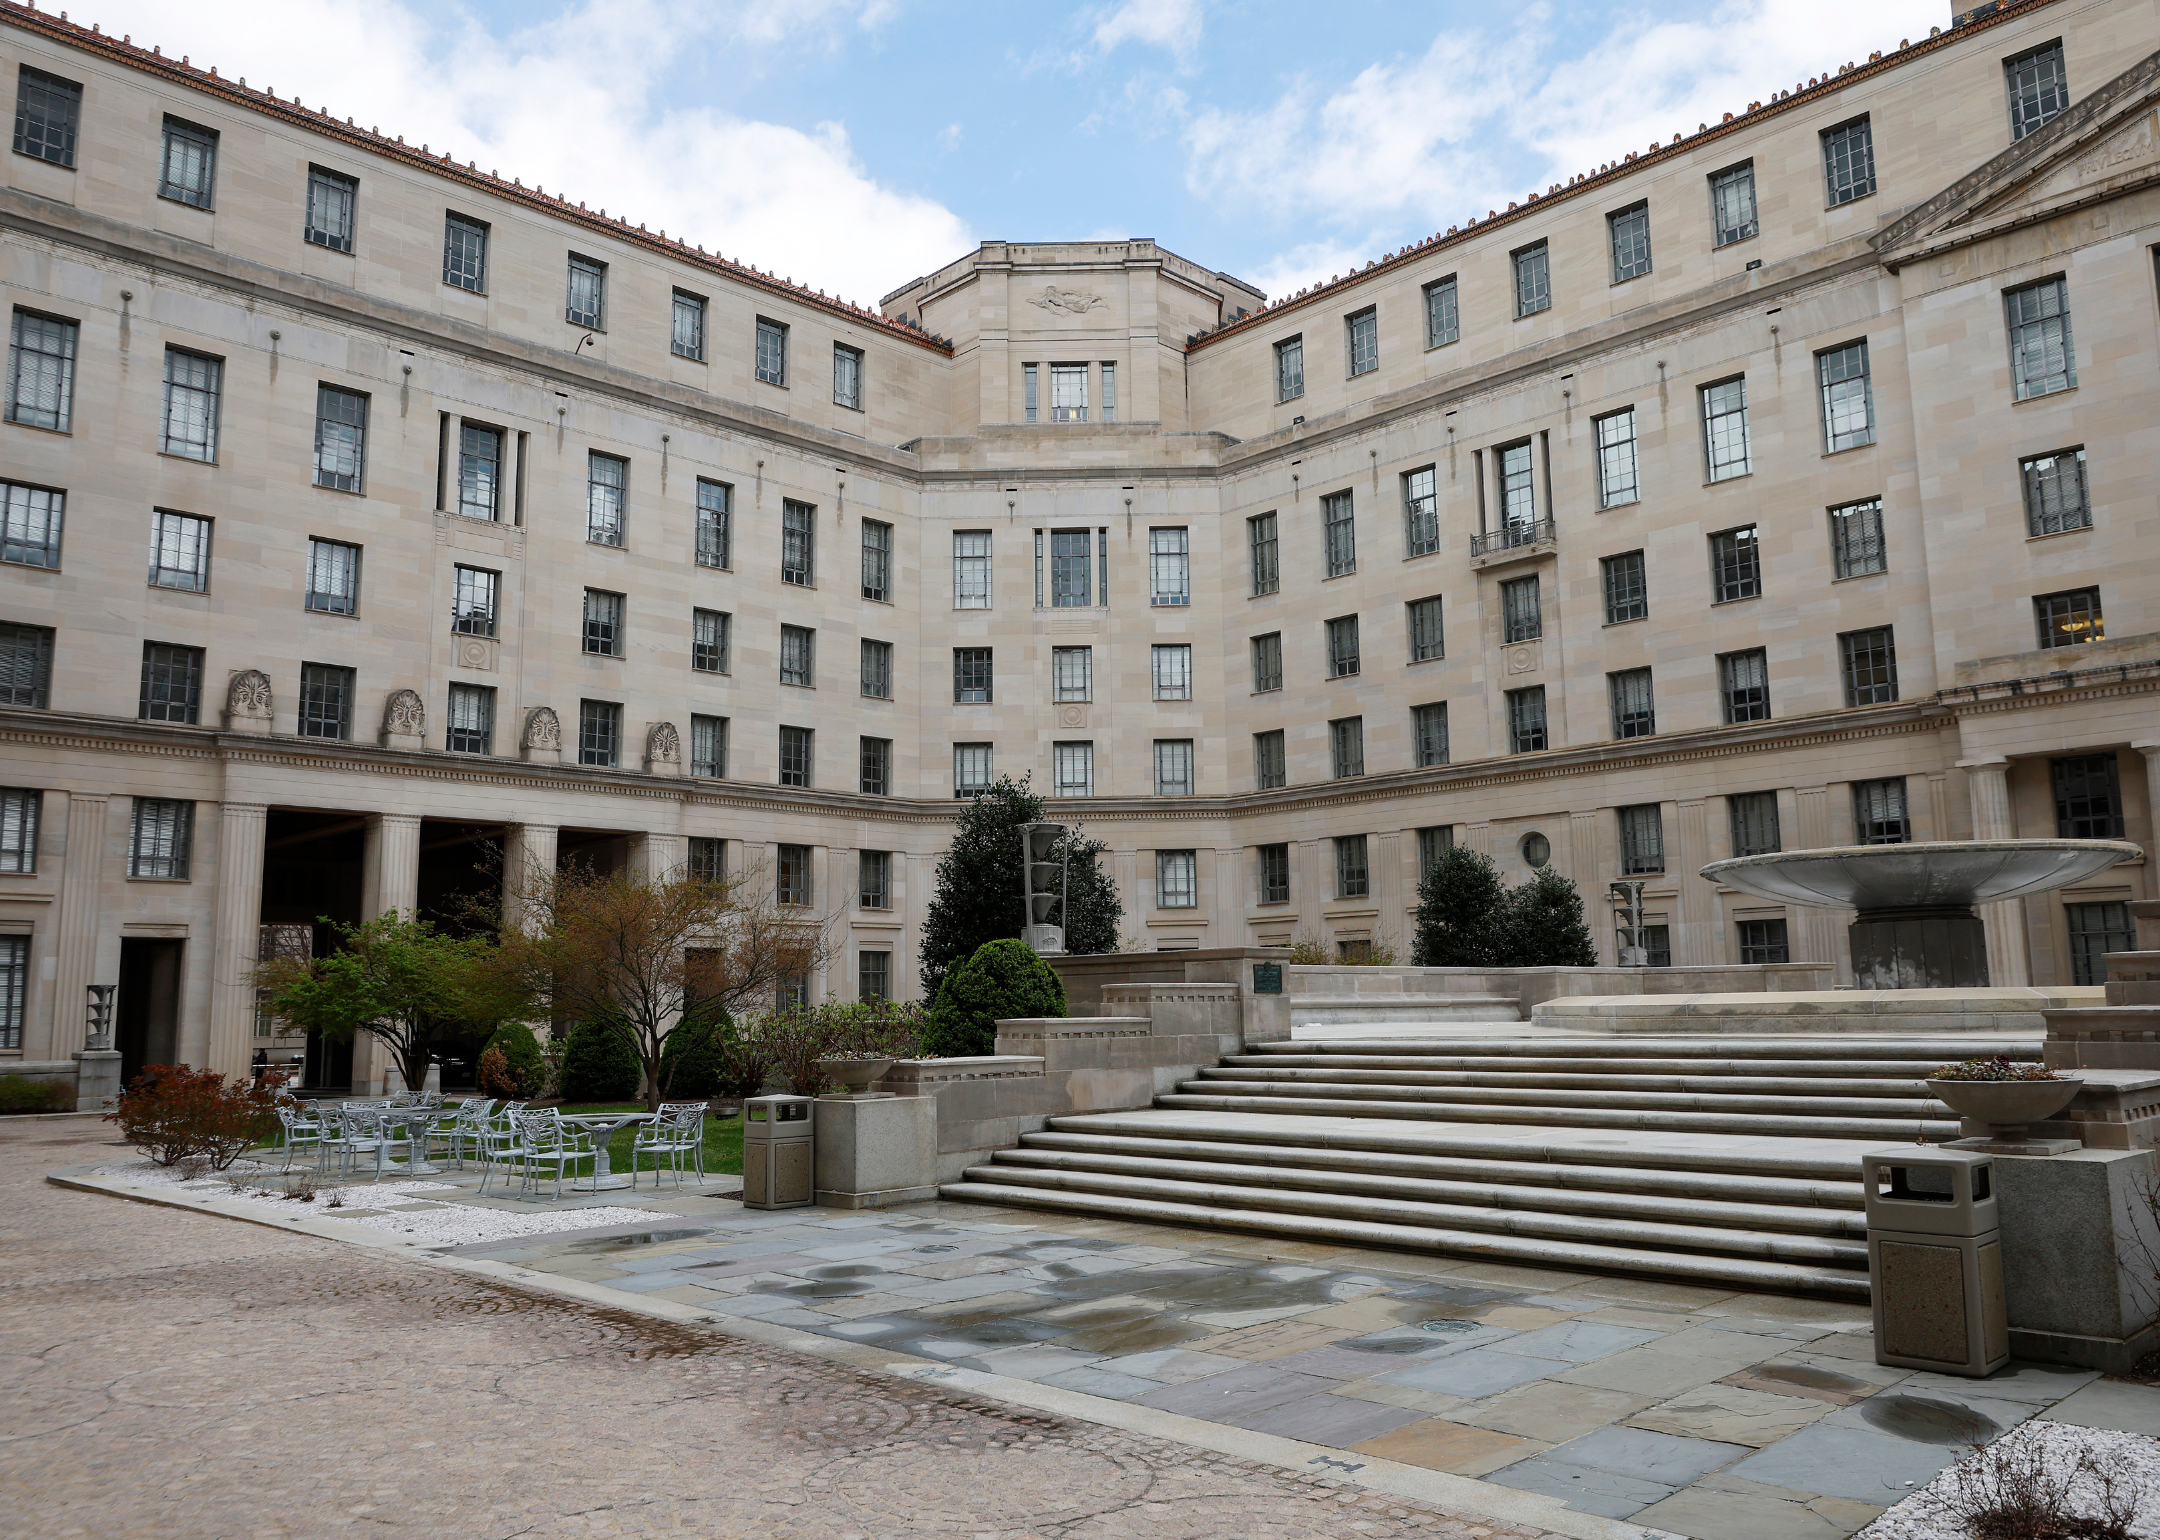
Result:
x=603 y=1126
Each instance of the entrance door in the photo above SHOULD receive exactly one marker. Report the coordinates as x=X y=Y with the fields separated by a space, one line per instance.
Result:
x=146 y=1014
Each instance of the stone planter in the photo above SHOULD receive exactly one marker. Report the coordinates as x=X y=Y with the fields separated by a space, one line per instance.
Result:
x=2006 y=1106
x=856 y=1076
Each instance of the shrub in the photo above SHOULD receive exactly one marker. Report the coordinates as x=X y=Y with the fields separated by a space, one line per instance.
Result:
x=19 y=1093
x=495 y=1078
x=600 y=1065
x=523 y=1070
x=1997 y=1068
x=1002 y=981
x=1544 y=925
x=693 y=1057
x=182 y=1114
x=1462 y=912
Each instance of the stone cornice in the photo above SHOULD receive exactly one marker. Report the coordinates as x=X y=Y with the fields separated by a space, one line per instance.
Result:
x=2113 y=679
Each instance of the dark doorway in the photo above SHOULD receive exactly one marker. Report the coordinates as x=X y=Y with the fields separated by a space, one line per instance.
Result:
x=312 y=864
x=460 y=883
x=146 y=1014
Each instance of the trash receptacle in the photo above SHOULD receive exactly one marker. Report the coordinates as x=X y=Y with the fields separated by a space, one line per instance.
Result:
x=1935 y=1259
x=779 y=1151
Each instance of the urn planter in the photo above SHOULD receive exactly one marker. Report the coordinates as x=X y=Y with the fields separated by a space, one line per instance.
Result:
x=2006 y=1106
x=856 y=1076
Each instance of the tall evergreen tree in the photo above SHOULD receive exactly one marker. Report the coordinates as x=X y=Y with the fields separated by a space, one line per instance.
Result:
x=1545 y=926
x=1462 y=917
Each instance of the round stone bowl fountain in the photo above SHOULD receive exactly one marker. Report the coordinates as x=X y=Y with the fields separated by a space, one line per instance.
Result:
x=1915 y=928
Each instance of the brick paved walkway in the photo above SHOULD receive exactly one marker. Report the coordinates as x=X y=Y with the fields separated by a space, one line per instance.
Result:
x=173 y=1376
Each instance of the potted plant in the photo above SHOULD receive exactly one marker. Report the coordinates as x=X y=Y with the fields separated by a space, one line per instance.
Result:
x=2004 y=1095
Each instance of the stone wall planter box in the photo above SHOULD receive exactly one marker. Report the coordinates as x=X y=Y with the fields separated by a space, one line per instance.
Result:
x=2006 y=1106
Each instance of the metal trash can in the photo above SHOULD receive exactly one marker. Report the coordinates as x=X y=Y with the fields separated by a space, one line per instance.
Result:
x=779 y=1151
x=1935 y=1259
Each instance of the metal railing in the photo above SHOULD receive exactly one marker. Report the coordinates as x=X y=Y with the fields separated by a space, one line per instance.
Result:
x=1509 y=536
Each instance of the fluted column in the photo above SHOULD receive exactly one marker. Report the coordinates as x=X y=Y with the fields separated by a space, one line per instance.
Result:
x=657 y=857
x=1987 y=783
x=239 y=929
x=82 y=876
x=391 y=865
x=528 y=857
x=1818 y=927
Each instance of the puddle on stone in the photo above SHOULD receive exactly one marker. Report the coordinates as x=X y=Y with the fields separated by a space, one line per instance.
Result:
x=990 y=1333
x=648 y=1238
x=824 y=1288
x=1243 y=1291
x=1924 y=1421
x=1804 y=1377
x=1139 y=1337
x=842 y=1270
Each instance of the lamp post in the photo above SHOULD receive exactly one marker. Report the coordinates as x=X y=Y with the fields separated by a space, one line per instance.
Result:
x=98 y=1038
x=1042 y=863
x=1628 y=923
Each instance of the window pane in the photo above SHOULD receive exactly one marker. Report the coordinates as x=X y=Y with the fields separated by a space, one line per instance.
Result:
x=714 y=535
x=606 y=498
x=708 y=746
x=159 y=836
x=1173 y=671
x=340 y=437
x=1177 y=879
x=179 y=551
x=876 y=561
x=1763 y=941
x=1518 y=487
x=1526 y=720
x=1630 y=233
x=2088 y=798
x=330 y=209
x=1342 y=647
x=793 y=885
x=2069 y=619
x=771 y=352
x=1364 y=341
x=1270 y=766
x=1879 y=814
x=333 y=577
x=1533 y=280
x=1627 y=590
x=877 y=669
x=686 y=337
x=34 y=515
x=1068 y=393
x=1339 y=527
x=1109 y=392
x=1353 y=876
x=326 y=700
x=1290 y=369
x=1421 y=512
x=1642 y=840
x=1847 y=410
x=46 y=111
x=798 y=543
x=707 y=859
x=603 y=623
x=873 y=764
x=873 y=879
x=1618 y=479
x=1856 y=539
x=479 y=470
x=709 y=641
x=1521 y=617
x=2095 y=931
x=2042 y=359
x=1260 y=539
x=1267 y=662
x=1169 y=567
x=1274 y=874
x=192 y=387
x=1869 y=659
x=1346 y=746
x=465 y=254
x=1732 y=203
x=19 y=813
x=190 y=166
x=587 y=294
x=599 y=733
x=2055 y=496
x=2039 y=88
x=971 y=569
x=847 y=364
x=473 y=601
x=973 y=675
x=1849 y=162
x=1073 y=769
x=971 y=769
x=798 y=656
x=1070 y=571
x=1426 y=642
x=1755 y=830
x=1443 y=323
x=1735 y=565
x=1725 y=428
x=171 y=683
x=1634 y=713
x=41 y=371
x=1173 y=767
x=1429 y=732
x=1744 y=681
x=472 y=720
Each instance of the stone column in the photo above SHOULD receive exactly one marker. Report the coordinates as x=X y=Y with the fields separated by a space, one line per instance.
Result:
x=1987 y=782
x=1385 y=875
x=528 y=855
x=1700 y=941
x=239 y=924
x=2150 y=749
x=391 y=865
x=82 y=874
x=657 y=857
x=1818 y=927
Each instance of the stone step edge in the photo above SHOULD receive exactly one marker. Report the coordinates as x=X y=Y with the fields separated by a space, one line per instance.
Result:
x=1857 y=1072
x=1759 y=1125
x=1710 y=1045
x=1904 y=1092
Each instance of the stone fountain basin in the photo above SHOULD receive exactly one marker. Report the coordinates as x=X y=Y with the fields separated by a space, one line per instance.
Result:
x=1944 y=874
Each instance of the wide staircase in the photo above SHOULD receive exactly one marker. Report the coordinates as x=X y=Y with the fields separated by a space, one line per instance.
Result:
x=1727 y=1160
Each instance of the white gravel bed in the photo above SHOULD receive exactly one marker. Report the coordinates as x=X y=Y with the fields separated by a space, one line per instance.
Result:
x=1930 y=1513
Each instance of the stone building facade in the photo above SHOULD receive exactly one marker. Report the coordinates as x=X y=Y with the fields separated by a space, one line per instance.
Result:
x=1790 y=481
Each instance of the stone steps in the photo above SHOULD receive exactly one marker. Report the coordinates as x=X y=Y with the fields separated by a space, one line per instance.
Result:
x=1791 y=1089
x=1394 y=1009
x=1567 y=1111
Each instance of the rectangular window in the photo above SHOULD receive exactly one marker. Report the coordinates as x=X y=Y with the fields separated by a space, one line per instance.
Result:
x=1169 y=567
x=19 y=817
x=1526 y=720
x=686 y=336
x=1267 y=662
x=1763 y=941
x=1177 y=879
x=2095 y=931
x=1735 y=565
x=1069 y=569
x=1173 y=670
x=479 y=471
x=1290 y=369
x=47 y=109
x=1732 y=203
x=1260 y=540
x=708 y=746
x=873 y=766
x=472 y=720
x=1642 y=839
x=873 y=975
x=771 y=352
x=707 y=859
x=847 y=365
x=971 y=569
x=193 y=385
x=1346 y=747
x=1426 y=641
x=34 y=516
x=1879 y=813
x=1443 y=317
x=2070 y=618
x=1072 y=768
x=1361 y=333
x=2055 y=493
x=603 y=634
x=1533 y=280
x=606 y=498
x=1429 y=734
x=1072 y=673
x=160 y=834
x=1342 y=647
x=41 y=370
x=1109 y=391
x=709 y=641
x=1521 y=614
x=1173 y=767
x=172 y=679
x=1271 y=767
x=326 y=701
x=1421 y=513
x=792 y=886
x=25 y=665
x=1353 y=874
x=464 y=259
x=798 y=656
x=1339 y=526
x=972 y=675
x=797 y=746
x=1029 y=378
x=1744 y=685
x=714 y=534
x=1856 y=539
x=340 y=438
x=1629 y=233
x=586 y=302
x=333 y=577
x=2039 y=87
x=1725 y=429
x=1848 y=153
x=970 y=769
x=1627 y=588
x=473 y=601
x=873 y=879
x=2088 y=798
x=1619 y=481
x=1068 y=393
x=179 y=551
x=188 y=171
x=1848 y=407
x=2042 y=357
x=1634 y=710
x=1518 y=488
x=1754 y=818
x=1274 y=874
x=877 y=561
x=798 y=543
x=876 y=670
x=331 y=199
x=1869 y=662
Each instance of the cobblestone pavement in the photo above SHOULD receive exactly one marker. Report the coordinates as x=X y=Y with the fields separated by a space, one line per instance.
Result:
x=185 y=1377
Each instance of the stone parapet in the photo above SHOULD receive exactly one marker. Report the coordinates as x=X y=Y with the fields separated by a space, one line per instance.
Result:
x=2080 y=1247
x=2117 y=1109
x=1930 y=1012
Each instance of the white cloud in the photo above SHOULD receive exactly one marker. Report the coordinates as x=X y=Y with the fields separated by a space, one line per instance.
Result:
x=1303 y=266
x=1170 y=24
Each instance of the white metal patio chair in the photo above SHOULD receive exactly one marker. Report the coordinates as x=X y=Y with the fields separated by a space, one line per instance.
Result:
x=302 y=1126
x=464 y=1131
x=676 y=1134
x=552 y=1145
x=501 y=1142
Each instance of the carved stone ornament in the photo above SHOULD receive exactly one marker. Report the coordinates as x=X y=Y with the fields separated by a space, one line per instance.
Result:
x=663 y=745
x=542 y=730
x=1066 y=301
x=1523 y=658
x=248 y=696
x=404 y=715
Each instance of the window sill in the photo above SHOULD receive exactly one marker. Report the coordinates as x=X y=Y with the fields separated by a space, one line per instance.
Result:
x=179 y=880
x=1854 y=577
x=688 y=358
x=1726 y=481
x=1434 y=347
x=1436 y=658
x=182 y=203
x=1633 y=502
x=1636 y=621
x=2057 y=534
x=847 y=407
x=1531 y=315
x=606 y=545
x=458 y=288
x=38 y=427
x=1334 y=577
x=1849 y=449
x=775 y=384
x=1631 y=278
x=1743 y=599
x=169 y=454
x=2045 y=395
x=308 y=609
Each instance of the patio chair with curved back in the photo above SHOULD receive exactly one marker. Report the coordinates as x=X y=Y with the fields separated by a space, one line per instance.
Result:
x=552 y=1144
x=302 y=1128
x=501 y=1141
x=464 y=1130
x=677 y=1134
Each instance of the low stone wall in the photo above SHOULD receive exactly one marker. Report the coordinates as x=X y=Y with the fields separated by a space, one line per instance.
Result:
x=1938 y=1012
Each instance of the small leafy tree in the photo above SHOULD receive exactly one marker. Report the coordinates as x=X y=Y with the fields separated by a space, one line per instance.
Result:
x=1545 y=926
x=694 y=1058
x=600 y=1065
x=522 y=1072
x=1003 y=981
x=177 y=1113
x=1462 y=913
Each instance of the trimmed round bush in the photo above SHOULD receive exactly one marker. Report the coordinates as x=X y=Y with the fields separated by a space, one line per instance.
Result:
x=522 y=1070
x=1002 y=981
x=693 y=1058
x=599 y=1065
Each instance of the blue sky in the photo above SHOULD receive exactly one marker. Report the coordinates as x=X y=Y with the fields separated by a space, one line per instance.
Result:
x=853 y=144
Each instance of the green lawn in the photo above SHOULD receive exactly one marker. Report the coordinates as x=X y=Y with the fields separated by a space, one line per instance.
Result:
x=723 y=1138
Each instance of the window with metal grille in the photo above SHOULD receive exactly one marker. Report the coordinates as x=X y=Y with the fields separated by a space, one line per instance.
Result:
x=1744 y=685
x=1270 y=762
x=340 y=438
x=188 y=171
x=1634 y=711
x=1029 y=386
x=707 y=859
x=1073 y=769
x=331 y=198
x=1426 y=640
x=2088 y=797
x=47 y=109
x=686 y=333
x=791 y=993
x=1521 y=617
x=709 y=641
x=798 y=543
x=1725 y=429
x=19 y=814
x=1109 y=392
x=2043 y=358
x=970 y=769
x=1072 y=673
x=193 y=384
x=876 y=669
x=1656 y=942
x=1735 y=565
x=714 y=534
x=473 y=601
x=1754 y=819
x=1443 y=316
x=586 y=301
x=1518 y=486
x=2095 y=931
x=1069 y=568
x=326 y=701
x=1533 y=279
x=972 y=675
x=2039 y=87
x=1353 y=874
x=1848 y=162
x=479 y=471
x=1429 y=734
x=1346 y=747
x=798 y=656
x=971 y=569
x=847 y=368
x=1361 y=335
x=1848 y=408
x=1619 y=481
x=1169 y=567
x=1627 y=587
x=30 y=536
x=41 y=370
x=1642 y=839
x=1856 y=539
x=1628 y=231
x=606 y=498
x=172 y=679
x=772 y=338
x=603 y=634
x=1869 y=660
x=1732 y=203
x=873 y=975
x=877 y=561
x=464 y=260
x=472 y=720
x=1526 y=719
x=161 y=833
x=1274 y=874
x=1880 y=816
x=792 y=872
x=708 y=746
x=1173 y=767
x=796 y=746
x=1290 y=369
x=1433 y=842
x=1068 y=393
x=1342 y=646
x=1260 y=541
x=2055 y=494
x=1173 y=670
x=1177 y=879
x=873 y=879
x=1338 y=522
x=179 y=551
x=333 y=577
x=873 y=766
x=1763 y=941
x=1421 y=513
x=2070 y=618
